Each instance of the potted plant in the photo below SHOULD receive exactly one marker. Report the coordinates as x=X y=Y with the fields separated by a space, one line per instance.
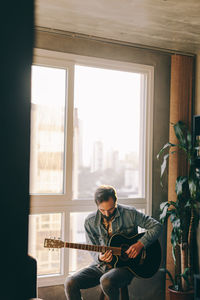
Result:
x=183 y=213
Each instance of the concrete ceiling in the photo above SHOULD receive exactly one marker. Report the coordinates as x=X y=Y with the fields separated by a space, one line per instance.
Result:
x=166 y=24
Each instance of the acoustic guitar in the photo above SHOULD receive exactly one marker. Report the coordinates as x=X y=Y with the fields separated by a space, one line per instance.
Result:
x=145 y=265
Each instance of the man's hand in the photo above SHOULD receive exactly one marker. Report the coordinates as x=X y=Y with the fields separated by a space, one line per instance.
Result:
x=134 y=249
x=107 y=256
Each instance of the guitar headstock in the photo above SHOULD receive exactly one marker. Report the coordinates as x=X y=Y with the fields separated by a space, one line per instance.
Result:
x=53 y=243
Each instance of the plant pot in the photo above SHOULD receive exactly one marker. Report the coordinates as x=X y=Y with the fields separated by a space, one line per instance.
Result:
x=178 y=295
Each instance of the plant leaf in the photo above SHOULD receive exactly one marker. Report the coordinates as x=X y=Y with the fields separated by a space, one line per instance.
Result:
x=167 y=145
x=175 y=233
x=175 y=221
x=179 y=129
x=164 y=209
x=189 y=140
x=172 y=212
x=180 y=183
x=164 y=164
x=192 y=188
x=188 y=204
x=162 y=205
x=173 y=203
x=185 y=275
x=169 y=274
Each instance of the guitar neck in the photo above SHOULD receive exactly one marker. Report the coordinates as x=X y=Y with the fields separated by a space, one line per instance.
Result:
x=94 y=248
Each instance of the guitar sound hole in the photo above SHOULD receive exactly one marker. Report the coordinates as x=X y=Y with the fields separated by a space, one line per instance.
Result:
x=124 y=256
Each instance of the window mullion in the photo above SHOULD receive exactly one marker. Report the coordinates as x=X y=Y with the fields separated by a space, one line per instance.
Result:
x=65 y=237
x=69 y=133
x=149 y=139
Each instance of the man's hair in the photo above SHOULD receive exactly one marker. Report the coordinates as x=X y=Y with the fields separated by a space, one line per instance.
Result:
x=104 y=192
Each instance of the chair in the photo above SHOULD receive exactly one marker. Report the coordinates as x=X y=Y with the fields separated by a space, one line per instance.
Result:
x=123 y=294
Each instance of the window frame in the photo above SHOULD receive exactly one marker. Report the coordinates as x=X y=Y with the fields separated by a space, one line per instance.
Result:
x=63 y=203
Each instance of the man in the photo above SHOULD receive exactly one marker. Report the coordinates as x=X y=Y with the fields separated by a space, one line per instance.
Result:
x=110 y=218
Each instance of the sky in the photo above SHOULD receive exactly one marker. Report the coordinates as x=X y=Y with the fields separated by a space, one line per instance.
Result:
x=48 y=86
x=108 y=102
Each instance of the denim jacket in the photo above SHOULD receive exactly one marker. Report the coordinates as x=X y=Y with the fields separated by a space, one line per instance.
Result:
x=126 y=221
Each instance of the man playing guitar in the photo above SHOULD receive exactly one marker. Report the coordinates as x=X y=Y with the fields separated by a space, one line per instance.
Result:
x=110 y=219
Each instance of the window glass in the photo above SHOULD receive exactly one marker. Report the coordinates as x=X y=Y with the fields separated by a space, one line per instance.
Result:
x=78 y=258
x=107 y=132
x=47 y=130
x=43 y=226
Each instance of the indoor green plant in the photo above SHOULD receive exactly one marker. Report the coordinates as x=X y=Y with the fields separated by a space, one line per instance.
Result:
x=183 y=212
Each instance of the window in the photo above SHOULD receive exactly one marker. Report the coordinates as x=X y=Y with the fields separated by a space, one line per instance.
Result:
x=91 y=124
x=40 y=227
x=107 y=131
x=78 y=258
x=47 y=130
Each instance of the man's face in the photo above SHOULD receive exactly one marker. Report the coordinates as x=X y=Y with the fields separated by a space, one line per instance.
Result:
x=107 y=208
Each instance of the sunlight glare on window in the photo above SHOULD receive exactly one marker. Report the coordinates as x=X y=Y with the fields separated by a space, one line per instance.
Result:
x=47 y=130
x=106 y=131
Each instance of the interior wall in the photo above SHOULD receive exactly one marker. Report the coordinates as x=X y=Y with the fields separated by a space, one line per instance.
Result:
x=161 y=63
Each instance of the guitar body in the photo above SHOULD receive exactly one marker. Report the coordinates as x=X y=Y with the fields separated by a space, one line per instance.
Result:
x=145 y=265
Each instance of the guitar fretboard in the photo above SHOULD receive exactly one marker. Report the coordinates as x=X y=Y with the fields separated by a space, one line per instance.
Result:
x=94 y=248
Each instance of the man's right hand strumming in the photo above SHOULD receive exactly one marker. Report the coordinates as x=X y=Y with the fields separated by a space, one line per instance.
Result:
x=107 y=256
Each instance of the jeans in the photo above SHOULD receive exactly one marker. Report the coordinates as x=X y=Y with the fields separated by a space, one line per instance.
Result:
x=110 y=281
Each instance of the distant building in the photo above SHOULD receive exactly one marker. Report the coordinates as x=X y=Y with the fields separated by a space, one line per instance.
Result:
x=47 y=152
x=131 y=179
x=97 y=158
x=112 y=161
